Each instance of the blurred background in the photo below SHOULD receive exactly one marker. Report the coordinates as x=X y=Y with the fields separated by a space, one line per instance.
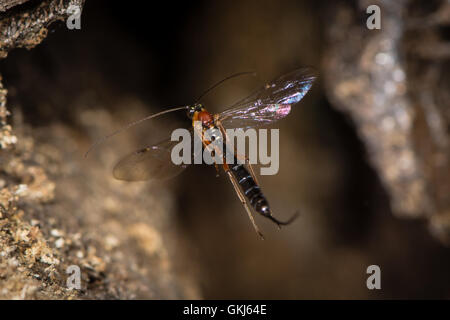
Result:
x=364 y=156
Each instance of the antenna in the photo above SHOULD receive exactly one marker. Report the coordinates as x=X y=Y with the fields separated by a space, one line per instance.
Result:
x=129 y=125
x=223 y=80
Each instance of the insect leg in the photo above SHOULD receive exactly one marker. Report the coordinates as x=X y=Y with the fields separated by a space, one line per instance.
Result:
x=244 y=202
x=207 y=145
x=238 y=156
x=252 y=173
x=217 y=169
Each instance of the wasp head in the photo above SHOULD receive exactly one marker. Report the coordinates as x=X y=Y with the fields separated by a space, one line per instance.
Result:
x=193 y=109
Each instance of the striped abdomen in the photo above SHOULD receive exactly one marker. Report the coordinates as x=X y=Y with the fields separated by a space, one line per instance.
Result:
x=250 y=189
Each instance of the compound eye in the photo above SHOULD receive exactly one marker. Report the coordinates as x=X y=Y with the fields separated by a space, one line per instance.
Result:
x=190 y=113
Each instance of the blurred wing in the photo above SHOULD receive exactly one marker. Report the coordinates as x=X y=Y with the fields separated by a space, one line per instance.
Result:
x=271 y=103
x=153 y=162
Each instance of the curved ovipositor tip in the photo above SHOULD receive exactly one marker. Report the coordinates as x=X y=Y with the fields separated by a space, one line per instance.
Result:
x=284 y=223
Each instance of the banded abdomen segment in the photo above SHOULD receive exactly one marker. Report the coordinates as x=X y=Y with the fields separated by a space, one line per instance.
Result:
x=251 y=189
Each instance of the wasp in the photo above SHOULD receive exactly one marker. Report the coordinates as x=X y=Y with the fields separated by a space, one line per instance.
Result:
x=263 y=107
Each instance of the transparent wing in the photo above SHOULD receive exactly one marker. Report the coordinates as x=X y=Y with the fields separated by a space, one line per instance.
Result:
x=270 y=103
x=152 y=162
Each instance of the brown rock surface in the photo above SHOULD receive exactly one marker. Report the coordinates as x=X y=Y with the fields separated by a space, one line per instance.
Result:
x=58 y=209
x=354 y=174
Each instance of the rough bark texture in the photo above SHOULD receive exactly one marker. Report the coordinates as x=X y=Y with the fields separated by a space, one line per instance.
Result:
x=27 y=28
x=394 y=83
x=57 y=211
x=8 y=4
